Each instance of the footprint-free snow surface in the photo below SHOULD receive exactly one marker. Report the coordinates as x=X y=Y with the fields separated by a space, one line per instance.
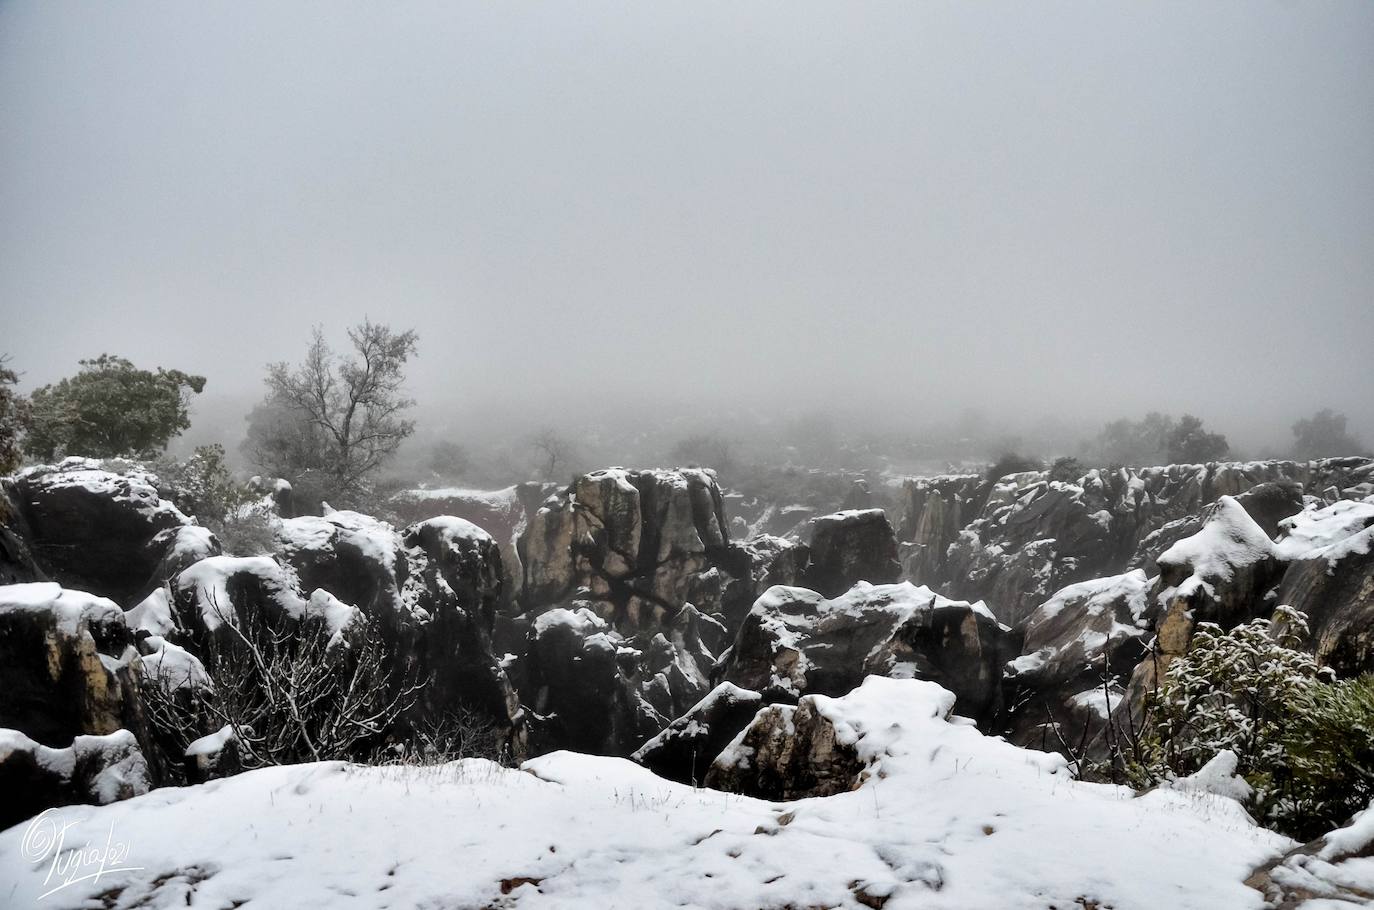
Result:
x=945 y=818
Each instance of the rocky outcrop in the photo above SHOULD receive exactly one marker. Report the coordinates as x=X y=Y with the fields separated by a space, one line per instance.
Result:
x=685 y=749
x=1331 y=578
x=628 y=542
x=788 y=752
x=93 y=769
x=850 y=547
x=796 y=642
x=108 y=533
x=582 y=681
x=64 y=664
x=1014 y=542
x=501 y=513
x=1085 y=633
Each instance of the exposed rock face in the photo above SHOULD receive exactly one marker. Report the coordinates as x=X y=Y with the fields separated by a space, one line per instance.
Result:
x=94 y=530
x=1221 y=573
x=1331 y=579
x=795 y=642
x=788 y=752
x=64 y=663
x=1084 y=631
x=1014 y=542
x=937 y=509
x=584 y=686
x=849 y=547
x=17 y=564
x=630 y=542
x=685 y=749
x=93 y=769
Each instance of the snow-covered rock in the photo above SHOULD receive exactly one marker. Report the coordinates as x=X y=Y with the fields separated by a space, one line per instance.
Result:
x=684 y=750
x=64 y=662
x=849 y=547
x=633 y=541
x=795 y=642
x=1333 y=872
x=93 y=769
x=109 y=533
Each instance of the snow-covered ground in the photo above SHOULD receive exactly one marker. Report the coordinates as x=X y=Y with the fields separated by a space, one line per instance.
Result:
x=946 y=818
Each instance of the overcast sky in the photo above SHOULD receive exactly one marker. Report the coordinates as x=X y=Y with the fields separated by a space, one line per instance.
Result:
x=1079 y=209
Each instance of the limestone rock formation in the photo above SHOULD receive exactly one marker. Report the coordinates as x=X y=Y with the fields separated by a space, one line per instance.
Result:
x=1014 y=542
x=629 y=542
x=64 y=663
x=849 y=547
x=795 y=642
x=788 y=752
x=108 y=533
x=684 y=750
x=1085 y=632
x=93 y=769
x=1335 y=870
x=583 y=685
x=1331 y=579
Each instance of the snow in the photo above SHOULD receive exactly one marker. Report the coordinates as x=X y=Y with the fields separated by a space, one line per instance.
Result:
x=457 y=528
x=1230 y=539
x=1218 y=777
x=336 y=615
x=582 y=621
x=172 y=666
x=1333 y=532
x=506 y=499
x=1336 y=875
x=69 y=608
x=212 y=744
x=153 y=614
x=946 y=818
x=208 y=579
x=136 y=487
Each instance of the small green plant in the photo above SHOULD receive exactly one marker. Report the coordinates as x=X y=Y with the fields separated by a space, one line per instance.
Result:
x=1304 y=741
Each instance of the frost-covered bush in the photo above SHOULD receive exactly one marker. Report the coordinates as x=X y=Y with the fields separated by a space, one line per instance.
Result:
x=204 y=486
x=1303 y=741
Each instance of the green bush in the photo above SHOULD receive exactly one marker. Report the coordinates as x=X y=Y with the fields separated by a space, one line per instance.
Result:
x=110 y=409
x=1304 y=741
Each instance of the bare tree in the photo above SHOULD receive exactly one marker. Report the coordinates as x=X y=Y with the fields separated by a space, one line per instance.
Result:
x=553 y=452
x=353 y=409
x=290 y=692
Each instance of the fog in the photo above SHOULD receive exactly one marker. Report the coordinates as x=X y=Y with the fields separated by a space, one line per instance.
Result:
x=689 y=214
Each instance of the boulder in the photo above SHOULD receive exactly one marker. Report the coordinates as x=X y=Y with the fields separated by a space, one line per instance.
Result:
x=64 y=664
x=1222 y=573
x=684 y=750
x=789 y=752
x=94 y=769
x=584 y=686
x=1085 y=632
x=849 y=547
x=795 y=642
x=1330 y=577
x=108 y=533
x=936 y=510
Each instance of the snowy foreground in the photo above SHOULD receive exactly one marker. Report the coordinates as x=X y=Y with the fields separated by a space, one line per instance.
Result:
x=946 y=818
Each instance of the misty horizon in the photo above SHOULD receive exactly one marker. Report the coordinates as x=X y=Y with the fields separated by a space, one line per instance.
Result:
x=1067 y=214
